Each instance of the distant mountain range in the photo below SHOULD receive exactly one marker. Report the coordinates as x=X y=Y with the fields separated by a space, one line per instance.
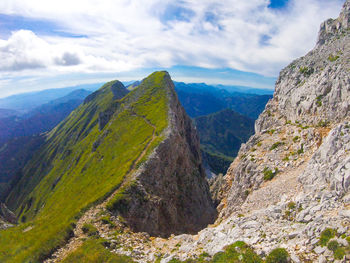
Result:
x=42 y=118
x=221 y=135
x=27 y=101
x=200 y=99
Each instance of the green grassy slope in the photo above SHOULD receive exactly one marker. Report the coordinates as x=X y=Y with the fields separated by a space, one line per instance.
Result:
x=94 y=251
x=221 y=135
x=80 y=164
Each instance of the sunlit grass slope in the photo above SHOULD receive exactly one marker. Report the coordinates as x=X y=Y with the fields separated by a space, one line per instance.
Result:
x=80 y=164
x=93 y=251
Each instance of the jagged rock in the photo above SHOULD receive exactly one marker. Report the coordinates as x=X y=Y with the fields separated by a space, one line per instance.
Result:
x=320 y=250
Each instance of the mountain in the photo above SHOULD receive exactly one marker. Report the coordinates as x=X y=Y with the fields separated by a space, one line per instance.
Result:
x=128 y=158
x=42 y=118
x=4 y=113
x=133 y=85
x=221 y=135
x=14 y=154
x=244 y=89
x=286 y=197
x=200 y=99
x=30 y=100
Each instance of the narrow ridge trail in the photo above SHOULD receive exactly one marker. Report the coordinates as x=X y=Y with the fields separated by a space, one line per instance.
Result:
x=91 y=214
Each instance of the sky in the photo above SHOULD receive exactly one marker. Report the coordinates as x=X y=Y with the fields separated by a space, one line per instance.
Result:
x=58 y=43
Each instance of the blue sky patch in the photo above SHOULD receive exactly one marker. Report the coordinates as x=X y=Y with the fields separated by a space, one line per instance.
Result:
x=176 y=13
x=278 y=4
x=10 y=23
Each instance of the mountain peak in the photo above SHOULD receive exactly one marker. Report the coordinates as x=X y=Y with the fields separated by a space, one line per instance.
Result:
x=334 y=27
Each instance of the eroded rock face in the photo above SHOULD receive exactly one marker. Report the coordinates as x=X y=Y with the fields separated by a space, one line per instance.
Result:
x=329 y=167
x=172 y=192
x=312 y=96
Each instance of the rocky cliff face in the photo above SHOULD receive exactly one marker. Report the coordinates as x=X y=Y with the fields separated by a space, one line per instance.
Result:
x=299 y=154
x=170 y=194
x=311 y=97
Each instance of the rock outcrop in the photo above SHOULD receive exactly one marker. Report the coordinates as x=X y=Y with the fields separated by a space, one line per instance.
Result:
x=311 y=97
x=293 y=174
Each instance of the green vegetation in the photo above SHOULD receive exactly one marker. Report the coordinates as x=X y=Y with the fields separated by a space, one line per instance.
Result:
x=291 y=205
x=93 y=251
x=326 y=235
x=301 y=150
x=339 y=253
x=240 y=252
x=332 y=58
x=92 y=159
x=269 y=174
x=237 y=252
x=221 y=135
x=333 y=245
x=296 y=138
x=89 y=229
x=275 y=145
x=338 y=250
x=278 y=255
x=319 y=100
x=107 y=220
x=323 y=123
x=286 y=158
x=306 y=71
x=219 y=163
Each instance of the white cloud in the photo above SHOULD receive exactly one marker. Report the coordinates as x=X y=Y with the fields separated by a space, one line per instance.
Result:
x=130 y=34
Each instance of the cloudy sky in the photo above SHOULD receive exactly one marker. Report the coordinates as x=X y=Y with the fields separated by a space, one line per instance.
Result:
x=57 y=43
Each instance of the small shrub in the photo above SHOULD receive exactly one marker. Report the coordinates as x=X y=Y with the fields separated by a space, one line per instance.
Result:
x=296 y=138
x=275 y=145
x=291 y=205
x=278 y=255
x=306 y=71
x=326 y=235
x=89 y=229
x=323 y=123
x=333 y=58
x=301 y=150
x=333 y=245
x=348 y=239
x=286 y=158
x=269 y=174
x=339 y=253
x=107 y=221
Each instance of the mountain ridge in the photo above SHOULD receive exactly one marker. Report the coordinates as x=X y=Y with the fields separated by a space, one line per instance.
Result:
x=101 y=148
